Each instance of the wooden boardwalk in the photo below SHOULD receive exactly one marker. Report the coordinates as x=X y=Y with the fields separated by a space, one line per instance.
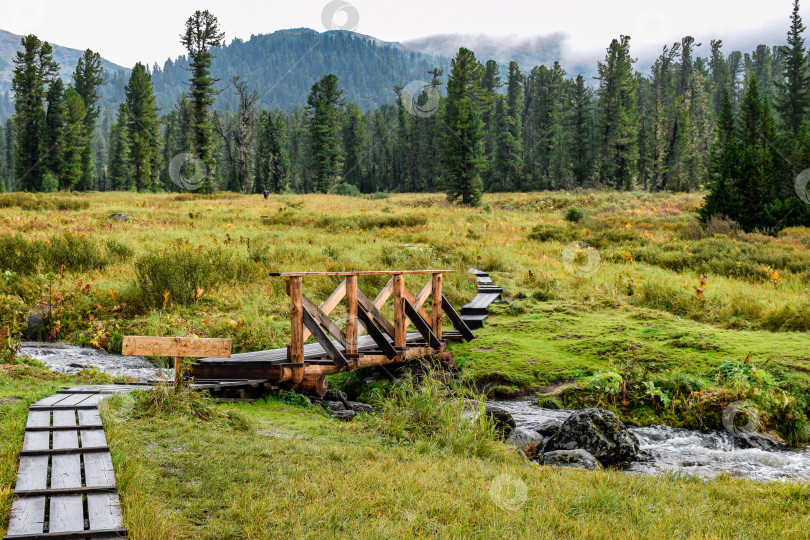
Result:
x=476 y=312
x=65 y=484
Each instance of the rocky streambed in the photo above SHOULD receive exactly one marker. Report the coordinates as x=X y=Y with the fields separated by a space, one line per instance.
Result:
x=587 y=439
x=70 y=359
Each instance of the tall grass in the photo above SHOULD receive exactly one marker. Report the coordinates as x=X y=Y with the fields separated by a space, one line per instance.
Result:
x=431 y=415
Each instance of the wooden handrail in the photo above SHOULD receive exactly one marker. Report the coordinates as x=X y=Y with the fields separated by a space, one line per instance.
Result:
x=307 y=318
x=359 y=273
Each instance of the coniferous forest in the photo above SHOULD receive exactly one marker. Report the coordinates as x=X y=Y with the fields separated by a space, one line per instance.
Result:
x=734 y=124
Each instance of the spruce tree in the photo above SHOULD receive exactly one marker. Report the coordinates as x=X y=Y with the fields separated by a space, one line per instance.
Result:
x=34 y=70
x=582 y=132
x=618 y=131
x=75 y=140
x=202 y=33
x=323 y=104
x=462 y=141
x=143 y=130
x=272 y=159
x=54 y=136
x=86 y=80
x=120 y=167
x=355 y=143
x=721 y=200
x=793 y=98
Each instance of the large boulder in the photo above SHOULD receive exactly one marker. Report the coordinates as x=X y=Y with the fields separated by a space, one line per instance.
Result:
x=769 y=442
x=546 y=428
x=35 y=328
x=569 y=458
x=597 y=431
x=332 y=405
x=502 y=419
x=521 y=437
x=345 y=415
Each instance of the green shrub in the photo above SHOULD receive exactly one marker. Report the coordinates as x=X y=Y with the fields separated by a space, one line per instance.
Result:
x=39 y=201
x=346 y=189
x=546 y=233
x=184 y=274
x=76 y=252
x=119 y=250
x=575 y=214
x=19 y=255
x=49 y=183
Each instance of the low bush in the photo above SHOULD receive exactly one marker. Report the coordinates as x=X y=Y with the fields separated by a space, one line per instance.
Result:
x=575 y=214
x=184 y=274
x=38 y=201
x=346 y=189
x=76 y=252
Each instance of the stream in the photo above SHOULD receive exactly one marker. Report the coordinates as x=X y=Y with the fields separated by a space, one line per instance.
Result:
x=70 y=359
x=702 y=454
x=676 y=450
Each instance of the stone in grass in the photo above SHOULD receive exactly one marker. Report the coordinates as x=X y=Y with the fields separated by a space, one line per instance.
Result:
x=522 y=437
x=358 y=407
x=546 y=428
x=336 y=395
x=34 y=329
x=118 y=217
x=344 y=414
x=332 y=405
x=597 y=431
x=569 y=458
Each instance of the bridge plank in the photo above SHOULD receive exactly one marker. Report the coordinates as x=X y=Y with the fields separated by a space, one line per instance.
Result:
x=98 y=470
x=104 y=511
x=66 y=513
x=39 y=419
x=33 y=473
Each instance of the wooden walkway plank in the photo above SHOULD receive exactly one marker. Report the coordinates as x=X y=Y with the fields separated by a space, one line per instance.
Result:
x=27 y=515
x=61 y=448
x=66 y=514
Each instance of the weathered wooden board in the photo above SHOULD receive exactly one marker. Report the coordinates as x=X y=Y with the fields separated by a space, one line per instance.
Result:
x=177 y=346
x=39 y=419
x=89 y=417
x=98 y=470
x=28 y=515
x=33 y=473
x=66 y=513
x=104 y=511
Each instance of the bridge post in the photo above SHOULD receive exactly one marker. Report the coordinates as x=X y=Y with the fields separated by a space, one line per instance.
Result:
x=399 y=310
x=437 y=305
x=295 y=350
x=351 y=319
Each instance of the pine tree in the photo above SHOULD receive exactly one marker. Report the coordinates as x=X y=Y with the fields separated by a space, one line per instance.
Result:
x=508 y=162
x=202 y=33
x=272 y=159
x=582 y=132
x=793 y=98
x=54 y=136
x=355 y=143
x=120 y=167
x=34 y=70
x=86 y=80
x=75 y=140
x=323 y=104
x=143 y=130
x=462 y=141
x=720 y=201
x=245 y=133
x=618 y=130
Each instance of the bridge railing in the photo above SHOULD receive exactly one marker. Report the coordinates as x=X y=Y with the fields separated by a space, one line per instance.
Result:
x=365 y=315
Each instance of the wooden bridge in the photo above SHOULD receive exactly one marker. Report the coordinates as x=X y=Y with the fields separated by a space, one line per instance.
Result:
x=335 y=349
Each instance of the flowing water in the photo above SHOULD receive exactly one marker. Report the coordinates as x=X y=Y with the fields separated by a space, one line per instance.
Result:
x=69 y=359
x=686 y=451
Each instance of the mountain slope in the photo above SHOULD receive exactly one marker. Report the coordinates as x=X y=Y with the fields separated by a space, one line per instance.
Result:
x=284 y=65
x=65 y=56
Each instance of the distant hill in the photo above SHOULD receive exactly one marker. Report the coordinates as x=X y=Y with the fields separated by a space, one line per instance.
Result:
x=66 y=57
x=284 y=65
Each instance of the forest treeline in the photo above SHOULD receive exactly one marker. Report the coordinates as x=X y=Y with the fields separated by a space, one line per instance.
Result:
x=735 y=124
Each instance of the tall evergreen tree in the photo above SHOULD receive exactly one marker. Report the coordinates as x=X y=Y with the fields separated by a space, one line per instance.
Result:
x=355 y=143
x=86 y=80
x=54 y=136
x=272 y=159
x=76 y=140
x=34 y=69
x=143 y=130
x=202 y=33
x=462 y=143
x=618 y=131
x=120 y=167
x=323 y=103
x=582 y=132
x=793 y=96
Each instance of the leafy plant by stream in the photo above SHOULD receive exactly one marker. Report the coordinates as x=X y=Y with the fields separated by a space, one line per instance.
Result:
x=679 y=399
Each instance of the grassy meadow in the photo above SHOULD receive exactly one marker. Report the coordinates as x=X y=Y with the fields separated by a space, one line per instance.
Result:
x=673 y=322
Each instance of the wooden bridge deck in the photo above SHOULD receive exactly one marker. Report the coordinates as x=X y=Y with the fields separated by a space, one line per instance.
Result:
x=65 y=485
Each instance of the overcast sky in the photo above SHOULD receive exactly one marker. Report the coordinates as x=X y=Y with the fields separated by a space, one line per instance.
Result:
x=146 y=30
